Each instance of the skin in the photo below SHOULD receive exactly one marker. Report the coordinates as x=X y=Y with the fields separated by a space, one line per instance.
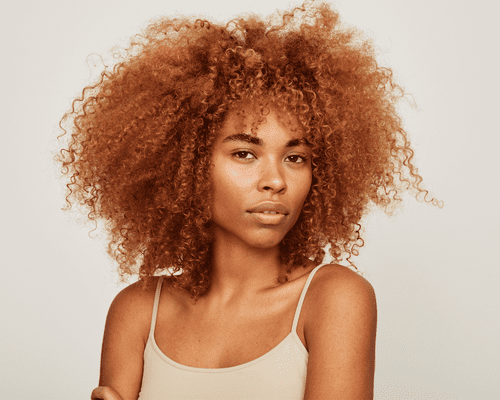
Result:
x=340 y=313
x=245 y=251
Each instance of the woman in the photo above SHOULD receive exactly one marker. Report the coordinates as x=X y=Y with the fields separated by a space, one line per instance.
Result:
x=231 y=156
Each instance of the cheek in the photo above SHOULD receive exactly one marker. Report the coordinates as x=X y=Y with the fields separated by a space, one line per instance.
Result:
x=302 y=191
x=236 y=176
x=303 y=185
x=230 y=185
x=232 y=179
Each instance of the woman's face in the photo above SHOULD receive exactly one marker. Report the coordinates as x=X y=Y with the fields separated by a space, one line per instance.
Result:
x=255 y=174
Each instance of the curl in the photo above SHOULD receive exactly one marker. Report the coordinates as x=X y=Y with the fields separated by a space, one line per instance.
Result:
x=140 y=138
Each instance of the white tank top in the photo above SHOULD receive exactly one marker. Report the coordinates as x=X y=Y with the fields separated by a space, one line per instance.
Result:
x=278 y=374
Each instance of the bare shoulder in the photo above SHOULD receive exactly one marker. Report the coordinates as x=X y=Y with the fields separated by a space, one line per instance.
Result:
x=132 y=301
x=340 y=331
x=135 y=303
x=337 y=290
x=125 y=336
x=339 y=283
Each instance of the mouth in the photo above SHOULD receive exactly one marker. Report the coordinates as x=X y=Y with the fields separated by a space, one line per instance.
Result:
x=268 y=217
x=269 y=207
x=269 y=212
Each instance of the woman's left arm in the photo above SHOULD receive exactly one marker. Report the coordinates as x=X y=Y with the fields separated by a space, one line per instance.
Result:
x=340 y=334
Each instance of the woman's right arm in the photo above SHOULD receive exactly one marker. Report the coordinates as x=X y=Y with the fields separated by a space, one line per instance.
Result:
x=125 y=337
x=105 y=393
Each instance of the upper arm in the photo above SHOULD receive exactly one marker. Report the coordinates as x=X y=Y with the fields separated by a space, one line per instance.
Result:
x=340 y=336
x=125 y=336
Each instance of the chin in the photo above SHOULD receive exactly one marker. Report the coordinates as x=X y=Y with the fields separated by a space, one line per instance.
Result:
x=265 y=243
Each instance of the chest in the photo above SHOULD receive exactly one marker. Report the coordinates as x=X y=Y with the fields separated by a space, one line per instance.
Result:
x=227 y=340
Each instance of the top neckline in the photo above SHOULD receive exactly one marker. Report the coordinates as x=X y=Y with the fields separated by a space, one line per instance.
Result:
x=291 y=335
x=177 y=365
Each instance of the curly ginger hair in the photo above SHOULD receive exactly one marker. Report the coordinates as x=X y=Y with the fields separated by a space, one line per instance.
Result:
x=140 y=147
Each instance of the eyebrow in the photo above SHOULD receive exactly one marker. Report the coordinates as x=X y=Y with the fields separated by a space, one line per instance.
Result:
x=245 y=137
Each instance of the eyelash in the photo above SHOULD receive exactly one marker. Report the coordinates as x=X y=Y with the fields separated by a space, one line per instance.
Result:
x=304 y=159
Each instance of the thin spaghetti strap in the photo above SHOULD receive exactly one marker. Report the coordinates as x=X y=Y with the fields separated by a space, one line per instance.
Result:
x=155 y=307
x=303 y=295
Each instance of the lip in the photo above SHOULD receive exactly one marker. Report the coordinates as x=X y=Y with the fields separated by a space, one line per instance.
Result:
x=269 y=206
x=268 y=219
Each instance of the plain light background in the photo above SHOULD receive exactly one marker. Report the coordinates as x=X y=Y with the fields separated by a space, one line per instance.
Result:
x=435 y=271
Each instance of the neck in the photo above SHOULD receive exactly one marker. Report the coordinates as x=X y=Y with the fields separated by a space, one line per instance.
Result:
x=240 y=273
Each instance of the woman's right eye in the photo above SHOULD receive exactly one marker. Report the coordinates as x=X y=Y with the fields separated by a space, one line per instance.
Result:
x=243 y=155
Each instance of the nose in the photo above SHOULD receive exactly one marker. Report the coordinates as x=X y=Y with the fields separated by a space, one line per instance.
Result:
x=272 y=177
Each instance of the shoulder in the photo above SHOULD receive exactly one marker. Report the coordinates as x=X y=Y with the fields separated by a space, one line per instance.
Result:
x=132 y=308
x=125 y=337
x=339 y=284
x=335 y=292
x=340 y=331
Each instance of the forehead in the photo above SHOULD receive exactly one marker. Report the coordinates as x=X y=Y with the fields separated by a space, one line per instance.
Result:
x=250 y=120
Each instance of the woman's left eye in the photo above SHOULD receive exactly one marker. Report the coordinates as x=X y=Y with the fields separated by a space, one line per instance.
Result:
x=296 y=157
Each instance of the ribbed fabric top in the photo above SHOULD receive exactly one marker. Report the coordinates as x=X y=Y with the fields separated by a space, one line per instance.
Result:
x=278 y=374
